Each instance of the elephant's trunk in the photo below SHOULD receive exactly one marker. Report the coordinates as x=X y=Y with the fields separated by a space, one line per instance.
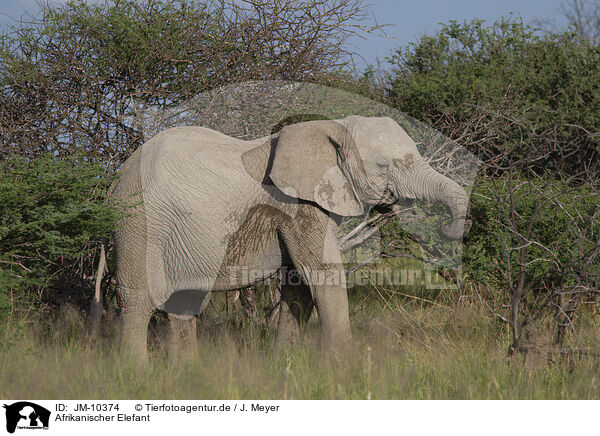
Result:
x=426 y=183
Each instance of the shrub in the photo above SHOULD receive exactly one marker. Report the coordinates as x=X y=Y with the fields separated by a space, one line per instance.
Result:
x=505 y=91
x=51 y=213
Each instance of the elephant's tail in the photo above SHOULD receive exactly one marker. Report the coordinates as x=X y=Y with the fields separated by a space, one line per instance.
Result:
x=97 y=303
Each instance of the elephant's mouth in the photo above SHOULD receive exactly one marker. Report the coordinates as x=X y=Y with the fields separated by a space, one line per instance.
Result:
x=376 y=197
x=388 y=197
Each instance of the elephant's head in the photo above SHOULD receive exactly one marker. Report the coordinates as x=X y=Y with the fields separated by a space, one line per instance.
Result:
x=343 y=165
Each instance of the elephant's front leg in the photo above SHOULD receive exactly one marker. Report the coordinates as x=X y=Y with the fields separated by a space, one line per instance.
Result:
x=312 y=244
x=332 y=306
x=295 y=307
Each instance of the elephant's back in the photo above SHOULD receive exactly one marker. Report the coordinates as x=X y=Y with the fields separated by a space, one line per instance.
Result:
x=191 y=155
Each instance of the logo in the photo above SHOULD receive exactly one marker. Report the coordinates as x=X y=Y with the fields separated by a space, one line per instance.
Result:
x=26 y=415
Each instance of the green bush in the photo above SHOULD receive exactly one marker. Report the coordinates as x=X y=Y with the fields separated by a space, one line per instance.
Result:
x=504 y=88
x=555 y=222
x=528 y=105
x=51 y=212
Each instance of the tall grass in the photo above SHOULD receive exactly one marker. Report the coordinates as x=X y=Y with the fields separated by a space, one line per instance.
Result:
x=405 y=348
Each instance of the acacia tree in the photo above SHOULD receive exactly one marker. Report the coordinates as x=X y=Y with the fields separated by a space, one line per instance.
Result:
x=71 y=79
x=582 y=15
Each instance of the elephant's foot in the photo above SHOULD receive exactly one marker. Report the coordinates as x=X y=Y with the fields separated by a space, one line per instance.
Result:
x=295 y=308
x=288 y=330
x=332 y=306
x=182 y=340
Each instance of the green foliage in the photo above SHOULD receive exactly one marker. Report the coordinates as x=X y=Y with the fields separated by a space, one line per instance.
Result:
x=505 y=82
x=50 y=213
x=119 y=40
x=550 y=223
x=116 y=42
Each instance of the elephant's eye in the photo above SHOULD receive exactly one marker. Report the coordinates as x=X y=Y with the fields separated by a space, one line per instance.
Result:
x=382 y=163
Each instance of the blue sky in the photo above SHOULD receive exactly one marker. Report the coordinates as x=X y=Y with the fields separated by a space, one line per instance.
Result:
x=409 y=19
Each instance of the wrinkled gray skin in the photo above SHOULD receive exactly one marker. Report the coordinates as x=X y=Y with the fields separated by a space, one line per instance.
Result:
x=209 y=203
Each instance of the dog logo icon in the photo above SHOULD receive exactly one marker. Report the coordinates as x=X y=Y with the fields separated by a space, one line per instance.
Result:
x=26 y=415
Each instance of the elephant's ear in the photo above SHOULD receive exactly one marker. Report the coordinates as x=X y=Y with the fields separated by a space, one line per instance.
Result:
x=306 y=165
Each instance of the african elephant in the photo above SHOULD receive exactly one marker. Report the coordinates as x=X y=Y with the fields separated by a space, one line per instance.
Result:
x=217 y=213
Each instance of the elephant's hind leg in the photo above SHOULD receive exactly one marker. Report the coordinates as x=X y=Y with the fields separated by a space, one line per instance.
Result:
x=183 y=338
x=295 y=308
x=136 y=310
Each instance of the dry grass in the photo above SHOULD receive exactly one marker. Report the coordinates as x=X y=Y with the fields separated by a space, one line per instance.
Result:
x=405 y=348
